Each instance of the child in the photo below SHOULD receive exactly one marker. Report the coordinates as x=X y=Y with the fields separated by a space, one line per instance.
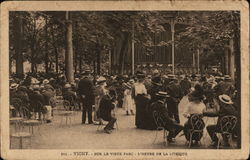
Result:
x=128 y=101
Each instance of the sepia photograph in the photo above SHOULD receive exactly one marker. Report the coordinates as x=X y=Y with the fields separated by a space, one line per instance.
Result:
x=125 y=79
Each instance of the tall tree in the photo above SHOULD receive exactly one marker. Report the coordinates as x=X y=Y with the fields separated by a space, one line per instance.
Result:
x=69 y=49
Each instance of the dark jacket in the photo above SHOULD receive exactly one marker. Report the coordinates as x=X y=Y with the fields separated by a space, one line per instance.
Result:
x=174 y=90
x=37 y=101
x=160 y=107
x=86 y=88
x=106 y=107
x=185 y=86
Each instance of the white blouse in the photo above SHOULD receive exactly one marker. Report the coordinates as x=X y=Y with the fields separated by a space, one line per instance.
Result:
x=140 y=89
x=194 y=108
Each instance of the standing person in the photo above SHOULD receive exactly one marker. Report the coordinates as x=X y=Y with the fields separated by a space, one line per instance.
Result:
x=175 y=93
x=155 y=88
x=100 y=92
x=128 y=101
x=86 y=92
x=225 y=87
x=185 y=86
x=141 y=101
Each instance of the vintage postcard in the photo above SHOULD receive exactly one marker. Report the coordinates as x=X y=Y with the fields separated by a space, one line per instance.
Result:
x=124 y=79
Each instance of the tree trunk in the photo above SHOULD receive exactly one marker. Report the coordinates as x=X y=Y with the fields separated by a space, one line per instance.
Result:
x=55 y=49
x=76 y=47
x=98 y=61
x=18 y=46
x=46 y=47
x=80 y=62
x=226 y=61
x=69 y=49
x=123 y=52
x=232 y=59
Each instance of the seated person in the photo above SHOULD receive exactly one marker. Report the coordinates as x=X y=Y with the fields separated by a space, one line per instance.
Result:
x=170 y=124
x=69 y=95
x=37 y=102
x=226 y=109
x=107 y=104
x=194 y=107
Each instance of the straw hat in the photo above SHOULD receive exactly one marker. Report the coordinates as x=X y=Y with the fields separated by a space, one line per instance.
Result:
x=67 y=85
x=127 y=85
x=227 y=77
x=45 y=81
x=225 y=99
x=162 y=94
x=13 y=86
x=101 y=79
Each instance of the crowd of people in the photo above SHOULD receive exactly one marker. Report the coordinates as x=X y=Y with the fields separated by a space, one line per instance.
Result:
x=34 y=96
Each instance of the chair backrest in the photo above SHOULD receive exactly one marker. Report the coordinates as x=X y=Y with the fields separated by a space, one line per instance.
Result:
x=66 y=104
x=196 y=122
x=16 y=102
x=157 y=118
x=227 y=124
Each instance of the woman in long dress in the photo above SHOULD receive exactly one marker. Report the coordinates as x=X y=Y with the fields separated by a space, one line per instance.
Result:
x=141 y=102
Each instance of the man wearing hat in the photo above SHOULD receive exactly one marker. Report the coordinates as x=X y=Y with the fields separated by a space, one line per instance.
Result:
x=37 y=102
x=226 y=108
x=175 y=93
x=86 y=92
x=169 y=124
x=155 y=88
x=225 y=87
x=185 y=85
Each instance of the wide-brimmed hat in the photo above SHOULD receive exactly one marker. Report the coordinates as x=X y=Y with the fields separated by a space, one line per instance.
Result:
x=67 y=85
x=101 y=79
x=162 y=94
x=225 y=99
x=13 y=86
x=131 y=81
x=156 y=72
x=127 y=85
x=140 y=75
x=156 y=81
x=45 y=81
x=86 y=72
x=36 y=87
x=171 y=76
x=227 y=77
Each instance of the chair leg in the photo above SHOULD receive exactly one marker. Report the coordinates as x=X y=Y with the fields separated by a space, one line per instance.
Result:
x=218 y=145
x=116 y=125
x=30 y=142
x=156 y=132
x=21 y=143
x=190 y=139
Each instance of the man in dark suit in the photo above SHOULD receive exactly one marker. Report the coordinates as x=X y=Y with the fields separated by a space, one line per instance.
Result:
x=86 y=92
x=174 y=91
x=169 y=124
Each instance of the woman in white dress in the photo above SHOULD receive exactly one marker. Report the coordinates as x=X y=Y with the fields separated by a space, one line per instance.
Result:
x=194 y=107
x=128 y=101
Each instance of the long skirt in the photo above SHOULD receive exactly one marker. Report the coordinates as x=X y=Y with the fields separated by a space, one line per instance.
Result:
x=141 y=111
